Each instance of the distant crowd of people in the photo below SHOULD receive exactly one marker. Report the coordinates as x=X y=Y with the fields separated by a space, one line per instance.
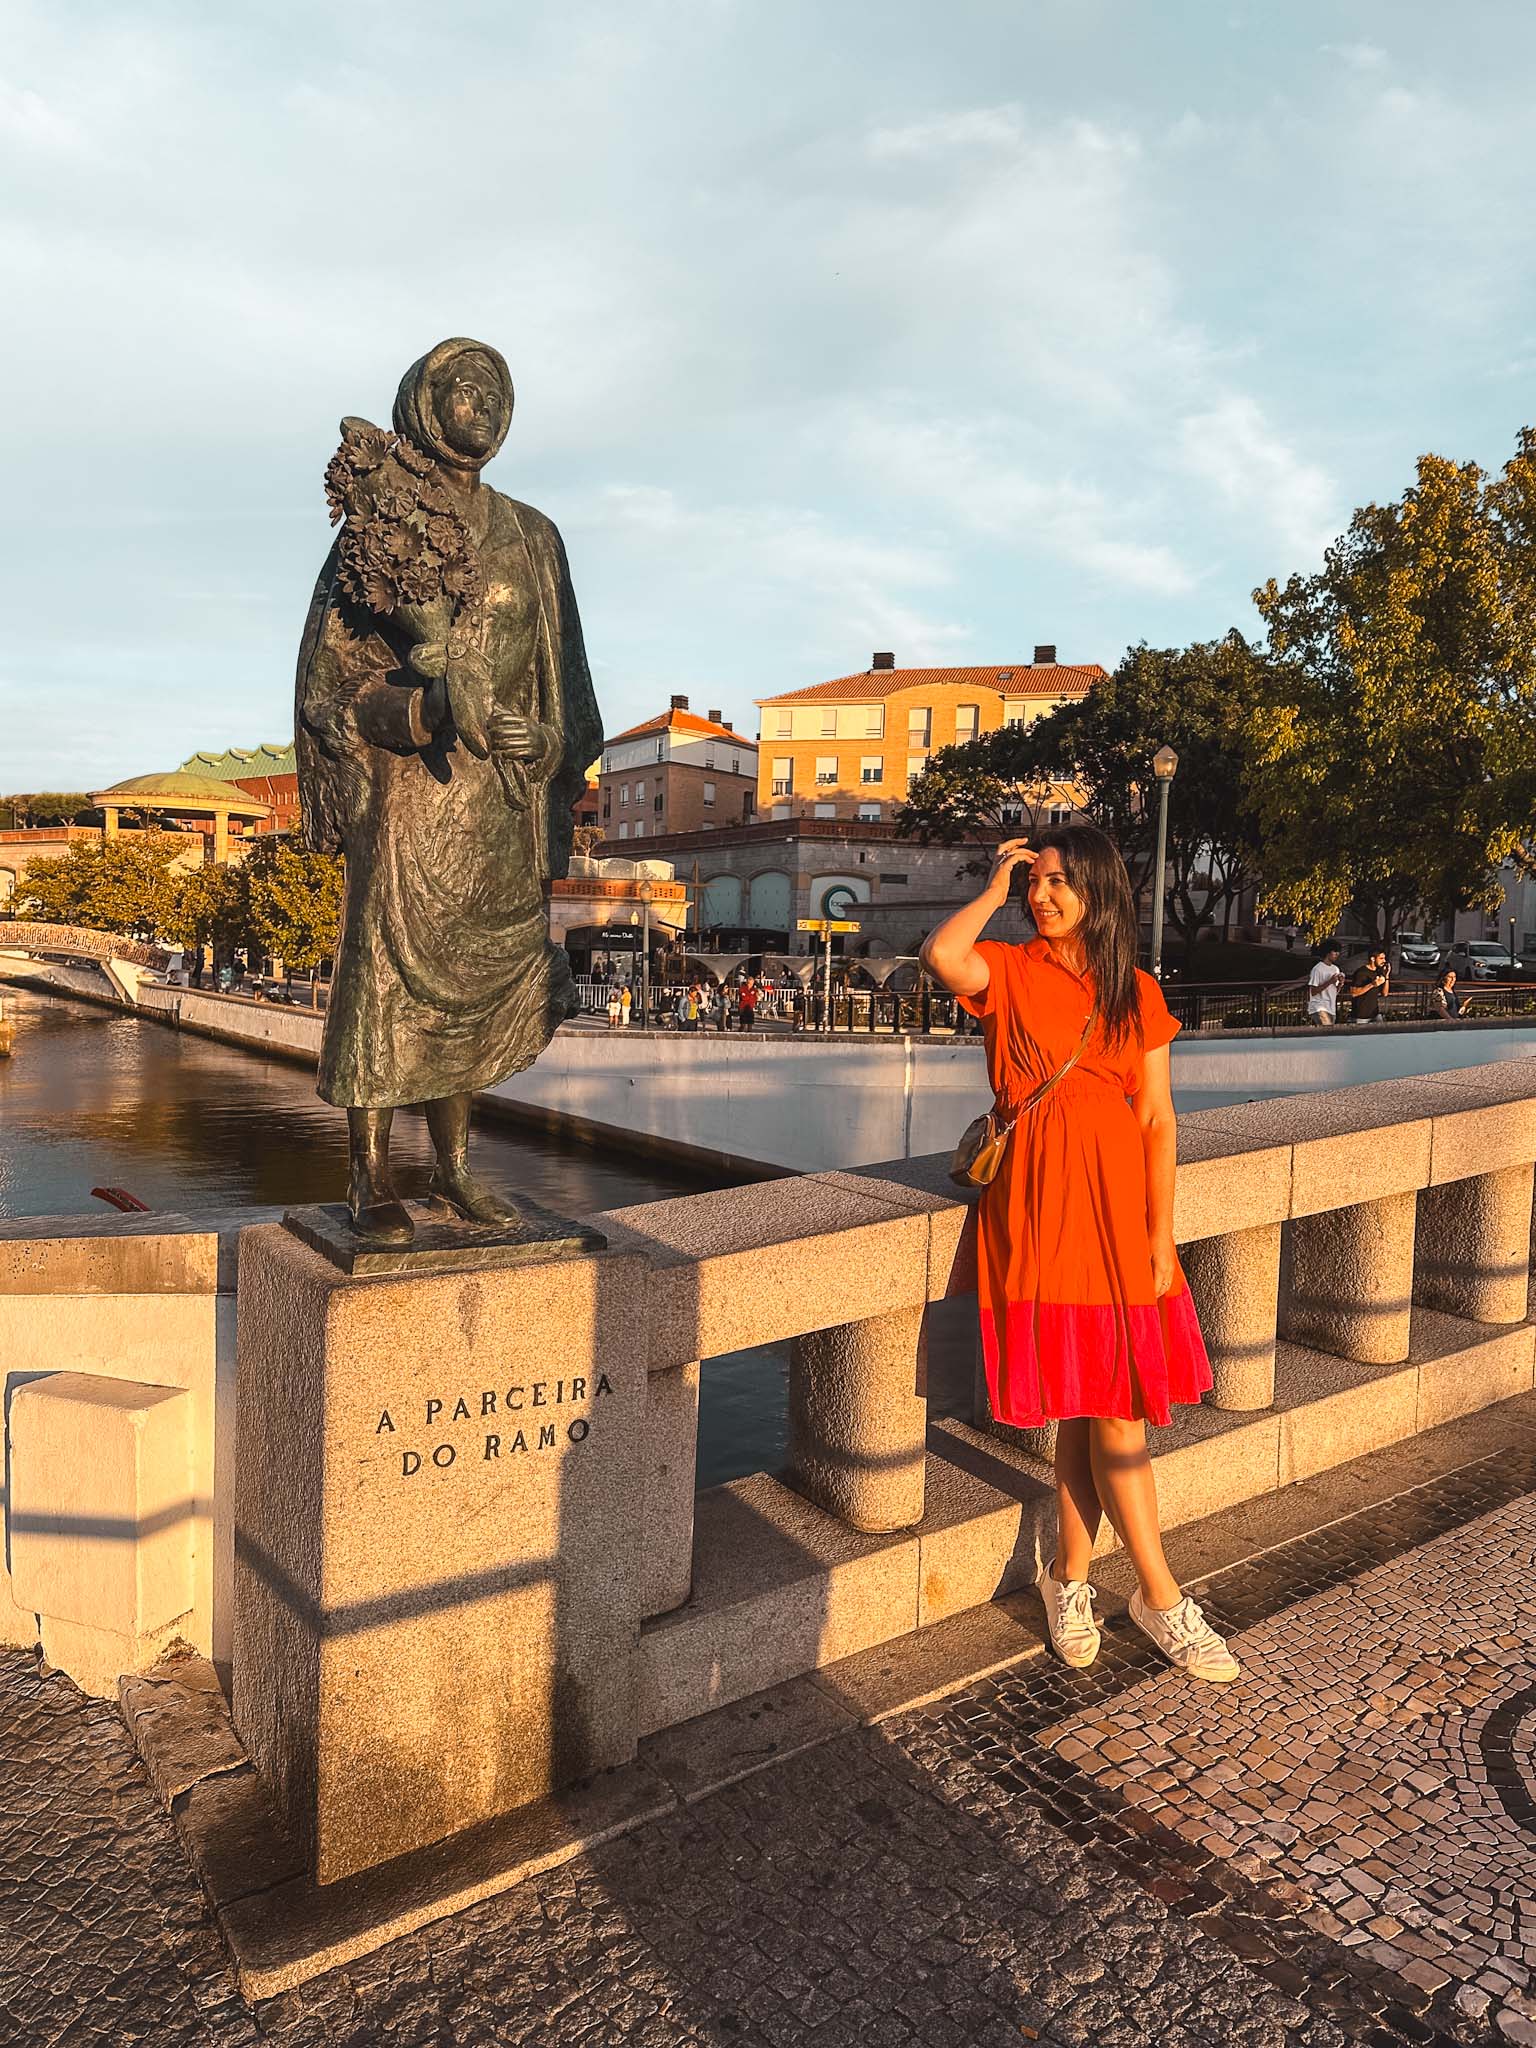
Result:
x=1367 y=987
x=697 y=1007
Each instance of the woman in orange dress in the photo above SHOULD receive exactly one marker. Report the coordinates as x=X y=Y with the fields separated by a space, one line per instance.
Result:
x=1086 y=1318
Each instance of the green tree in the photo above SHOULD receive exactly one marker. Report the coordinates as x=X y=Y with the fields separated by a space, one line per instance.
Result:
x=295 y=902
x=41 y=807
x=107 y=885
x=211 y=906
x=1396 y=751
x=1097 y=753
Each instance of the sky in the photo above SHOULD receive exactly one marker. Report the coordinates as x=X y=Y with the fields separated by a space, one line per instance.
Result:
x=835 y=324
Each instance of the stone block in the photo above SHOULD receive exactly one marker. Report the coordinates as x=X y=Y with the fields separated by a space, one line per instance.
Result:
x=1486 y=1121
x=439 y=1538
x=671 y=1461
x=723 y=1747
x=914 y=1670
x=779 y=1587
x=1333 y=1409
x=1351 y=1290
x=97 y=1658
x=180 y=1726
x=979 y=1539
x=108 y=1254
x=1235 y=1280
x=101 y=1502
x=776 y=1259
x=1473 y=1246
x=1207 y=1460
x=858 y=1416
x=1347 y=1144
x=235 y=1837
x=1464 y=1366
x=1228 y=1181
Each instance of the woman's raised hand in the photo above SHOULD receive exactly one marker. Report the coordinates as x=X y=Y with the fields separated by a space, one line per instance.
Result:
x=1009 y=854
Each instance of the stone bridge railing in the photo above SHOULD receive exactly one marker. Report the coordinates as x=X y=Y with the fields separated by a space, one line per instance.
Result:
x=74 y=942
x=461 y=1558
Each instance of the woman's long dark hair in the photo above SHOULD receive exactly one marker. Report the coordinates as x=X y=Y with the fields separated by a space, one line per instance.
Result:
x=1096 y=873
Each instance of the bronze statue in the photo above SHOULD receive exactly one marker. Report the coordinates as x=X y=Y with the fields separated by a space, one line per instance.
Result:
x=445 y=721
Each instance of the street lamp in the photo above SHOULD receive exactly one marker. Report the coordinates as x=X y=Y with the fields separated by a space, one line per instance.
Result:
x=645 y=893
x=1512 y=960
x=1165 y=765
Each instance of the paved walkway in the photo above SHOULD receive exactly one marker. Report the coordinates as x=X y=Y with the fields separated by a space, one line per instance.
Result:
x=1337 y=1852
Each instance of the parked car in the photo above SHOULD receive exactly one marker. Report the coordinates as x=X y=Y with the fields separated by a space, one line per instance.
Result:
x=1418 y=949
x=1484 y=960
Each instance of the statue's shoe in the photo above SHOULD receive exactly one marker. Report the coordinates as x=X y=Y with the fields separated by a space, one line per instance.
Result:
x=466 y=1196
x=387 y=1222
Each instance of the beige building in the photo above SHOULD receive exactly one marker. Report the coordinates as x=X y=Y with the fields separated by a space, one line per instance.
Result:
x=852 y=747
x=676 y=773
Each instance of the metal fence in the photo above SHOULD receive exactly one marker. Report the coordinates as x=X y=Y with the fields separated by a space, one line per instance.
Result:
x=1253 y=1006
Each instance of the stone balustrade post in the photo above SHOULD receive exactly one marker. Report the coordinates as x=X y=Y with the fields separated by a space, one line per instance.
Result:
x=671 y=1464
x=1474 y=1246
x=858 y=1420
x=1235 y=1280
x=1352 y=1280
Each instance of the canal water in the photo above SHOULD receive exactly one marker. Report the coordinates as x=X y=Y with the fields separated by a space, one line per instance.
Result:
x=95 y=1098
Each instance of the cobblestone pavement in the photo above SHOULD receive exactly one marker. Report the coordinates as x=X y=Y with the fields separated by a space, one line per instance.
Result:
x=1039 y=1858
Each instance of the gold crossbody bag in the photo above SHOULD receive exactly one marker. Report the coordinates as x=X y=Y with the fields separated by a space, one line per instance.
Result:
x=979 y=1154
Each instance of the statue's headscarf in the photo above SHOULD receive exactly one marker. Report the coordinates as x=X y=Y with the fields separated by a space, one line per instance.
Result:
x=415 y=416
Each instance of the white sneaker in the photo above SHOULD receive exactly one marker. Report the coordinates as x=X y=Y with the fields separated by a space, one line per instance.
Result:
x=1069 y=1617
x=1186 y=1639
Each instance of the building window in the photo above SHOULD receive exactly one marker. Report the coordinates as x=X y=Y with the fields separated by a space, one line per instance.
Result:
x=624 y=829
x=1011 y=815
x=874 y=721
x=639 y=828
x=779 y=811
x=869 y=810
x=920 y=726
x=1013 y=714
x=660 y=800
x=607 y=805
x=784 y=724
x=709 y=757
x=709 y=792
x=640 y=791
x=748 y=805
x=967 y=717
x=661 y=750
x=735 y=764
x=872 y=768
x=915 y=766
x=897 y=881
x=783 y=777
x=623 y=792
x=607 y=764
x=825 y=810
x=829 y=723
x=826 y=770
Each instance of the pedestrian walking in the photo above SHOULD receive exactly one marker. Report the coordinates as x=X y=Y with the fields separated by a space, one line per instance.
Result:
x=1367 y=985
x=1086 y=1317
x=1323 y=985
x=746 y=1003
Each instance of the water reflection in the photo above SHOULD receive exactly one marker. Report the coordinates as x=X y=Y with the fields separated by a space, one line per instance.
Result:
x=93 y=1098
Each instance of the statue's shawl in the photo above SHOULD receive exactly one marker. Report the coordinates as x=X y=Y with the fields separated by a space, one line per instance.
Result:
x=404 y=541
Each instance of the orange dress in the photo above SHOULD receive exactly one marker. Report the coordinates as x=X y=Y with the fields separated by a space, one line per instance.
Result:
x=1069 y=1322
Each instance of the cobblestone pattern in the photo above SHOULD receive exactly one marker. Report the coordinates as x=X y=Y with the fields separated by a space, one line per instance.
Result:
x=951 y=1879
x=1375 y=1753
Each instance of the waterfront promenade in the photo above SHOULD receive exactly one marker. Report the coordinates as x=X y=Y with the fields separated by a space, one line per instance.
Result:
x=1336 y=1852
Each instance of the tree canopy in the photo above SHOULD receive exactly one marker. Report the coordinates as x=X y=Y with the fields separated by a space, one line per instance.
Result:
x=109 y=885
x=295 y=901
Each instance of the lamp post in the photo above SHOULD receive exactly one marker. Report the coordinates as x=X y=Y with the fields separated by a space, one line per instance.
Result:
x=1512 y=960
x=645 y=893
x=1165 y=765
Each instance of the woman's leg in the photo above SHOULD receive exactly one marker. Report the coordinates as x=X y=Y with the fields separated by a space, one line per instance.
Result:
x=1122 y=1477
x=1078 y=1507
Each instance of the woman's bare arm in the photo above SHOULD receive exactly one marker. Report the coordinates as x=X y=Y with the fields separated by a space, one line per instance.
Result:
x=1160 y=1142
x=949 y=951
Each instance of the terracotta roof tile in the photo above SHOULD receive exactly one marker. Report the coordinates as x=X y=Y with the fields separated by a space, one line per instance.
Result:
x=681 y=721
x=1026 y=679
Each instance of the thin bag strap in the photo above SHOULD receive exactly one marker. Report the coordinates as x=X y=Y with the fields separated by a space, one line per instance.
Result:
x=1039 y=1094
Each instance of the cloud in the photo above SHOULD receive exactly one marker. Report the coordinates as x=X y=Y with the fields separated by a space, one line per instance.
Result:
x=1357 y=56
x=1257 y=474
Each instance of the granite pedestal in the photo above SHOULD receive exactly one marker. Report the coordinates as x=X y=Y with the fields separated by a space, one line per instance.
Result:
x=438 y=1538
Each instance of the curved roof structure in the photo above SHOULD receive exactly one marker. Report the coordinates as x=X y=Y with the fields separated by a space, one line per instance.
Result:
x=180 y=790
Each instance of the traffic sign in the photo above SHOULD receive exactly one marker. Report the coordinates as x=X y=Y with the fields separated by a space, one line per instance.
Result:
x=824 y=925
